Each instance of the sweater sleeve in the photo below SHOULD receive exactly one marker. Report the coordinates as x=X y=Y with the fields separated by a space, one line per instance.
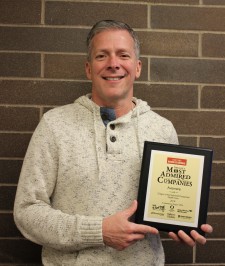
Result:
x=34 y=216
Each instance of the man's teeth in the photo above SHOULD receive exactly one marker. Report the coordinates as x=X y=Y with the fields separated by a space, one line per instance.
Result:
x=112 y=78
x=118 y=78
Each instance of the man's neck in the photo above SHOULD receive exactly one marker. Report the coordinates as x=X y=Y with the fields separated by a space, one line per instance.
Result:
x=121 y=108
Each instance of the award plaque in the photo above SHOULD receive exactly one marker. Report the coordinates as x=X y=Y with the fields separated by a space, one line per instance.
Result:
x=174 y=187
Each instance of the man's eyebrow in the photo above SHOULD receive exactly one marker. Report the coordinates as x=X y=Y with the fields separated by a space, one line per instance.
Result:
x=105 y=50
x=101 y=50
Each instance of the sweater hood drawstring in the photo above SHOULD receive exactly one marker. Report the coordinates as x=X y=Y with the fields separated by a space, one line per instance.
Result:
x=138 y=135
x=95 y=110
x=96 y=148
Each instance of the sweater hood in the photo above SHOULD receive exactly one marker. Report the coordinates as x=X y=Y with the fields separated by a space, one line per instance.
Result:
x=140 y=108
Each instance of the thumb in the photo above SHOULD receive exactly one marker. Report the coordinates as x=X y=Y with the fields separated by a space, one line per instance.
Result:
x=131 y=210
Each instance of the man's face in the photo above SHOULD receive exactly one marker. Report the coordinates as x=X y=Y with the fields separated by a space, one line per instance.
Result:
x=113 y=67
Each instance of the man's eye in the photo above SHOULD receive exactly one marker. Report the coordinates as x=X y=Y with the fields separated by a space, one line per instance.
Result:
x=100 y=56
x=125 y=56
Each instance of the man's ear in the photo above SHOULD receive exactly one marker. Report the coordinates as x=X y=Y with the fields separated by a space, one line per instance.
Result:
x=88 y=70
x=138 y=69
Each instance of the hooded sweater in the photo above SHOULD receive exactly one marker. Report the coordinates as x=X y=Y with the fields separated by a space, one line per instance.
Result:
x=76 y=172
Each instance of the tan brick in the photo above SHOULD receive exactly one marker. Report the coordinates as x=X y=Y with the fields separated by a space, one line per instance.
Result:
x=87 y=14
x=9 y=171
x=212 y=252
x=189 y=264
x=216 y=200
x=213 y=2
x=144 y=70
x=187 y=18
x=212 y=45
x=218 y=174
x=7 y=195
x=194 y=122
x=21 y=12
x=218 y=224
x=189 y=2
x=188 y=141
x=8 y=227
x=187 y=70
x=49 y=39
x=20 y=65
x=13 y=144
x=65 y=66
x=18 y=119
x=185 y=253
x=169 y=96
x=213 y=97
x=20 y=252
x=217 y=144
x=168 y=44
x=41 y=92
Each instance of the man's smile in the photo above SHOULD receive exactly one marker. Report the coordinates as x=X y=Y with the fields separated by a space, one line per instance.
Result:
x=114 y=78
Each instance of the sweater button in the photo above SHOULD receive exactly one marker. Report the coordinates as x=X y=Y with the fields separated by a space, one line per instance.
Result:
x=112 y=126
x=113 y=138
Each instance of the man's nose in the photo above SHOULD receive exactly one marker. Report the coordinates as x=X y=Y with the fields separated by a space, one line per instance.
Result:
x=113 y=63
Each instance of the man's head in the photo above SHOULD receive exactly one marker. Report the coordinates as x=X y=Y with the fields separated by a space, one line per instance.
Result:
x=113 y=63
x=104 y=25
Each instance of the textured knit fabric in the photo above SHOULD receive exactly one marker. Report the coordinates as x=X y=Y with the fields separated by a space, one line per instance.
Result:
x=76 y=172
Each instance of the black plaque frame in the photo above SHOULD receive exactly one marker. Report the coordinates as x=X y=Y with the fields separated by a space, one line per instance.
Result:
x=205 y=185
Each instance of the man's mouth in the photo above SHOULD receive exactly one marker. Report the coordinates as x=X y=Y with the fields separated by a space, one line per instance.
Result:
x=114 y=78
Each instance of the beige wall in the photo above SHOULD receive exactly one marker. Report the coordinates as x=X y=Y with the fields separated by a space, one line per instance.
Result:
x=42 y=54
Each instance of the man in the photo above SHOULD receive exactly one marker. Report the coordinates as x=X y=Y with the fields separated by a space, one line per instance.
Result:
x=79 y=181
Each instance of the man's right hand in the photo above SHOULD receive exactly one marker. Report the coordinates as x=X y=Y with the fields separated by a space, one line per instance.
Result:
x=120 y=233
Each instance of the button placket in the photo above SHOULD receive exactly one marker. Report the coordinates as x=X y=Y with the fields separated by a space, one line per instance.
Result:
x=112 y=137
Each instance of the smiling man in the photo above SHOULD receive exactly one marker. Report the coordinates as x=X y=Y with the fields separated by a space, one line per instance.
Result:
x=79 y=181
x=113 y=66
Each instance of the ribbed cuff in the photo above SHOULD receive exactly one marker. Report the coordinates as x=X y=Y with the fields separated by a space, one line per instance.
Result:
x=91 y=230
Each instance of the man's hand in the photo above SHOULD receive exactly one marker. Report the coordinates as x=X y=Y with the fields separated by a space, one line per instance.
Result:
x=120 y=233
x=196 y=237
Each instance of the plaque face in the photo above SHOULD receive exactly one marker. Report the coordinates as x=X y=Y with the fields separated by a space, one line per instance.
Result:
x=174 y=187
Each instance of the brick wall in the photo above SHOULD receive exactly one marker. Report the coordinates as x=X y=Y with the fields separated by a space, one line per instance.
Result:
x=42 y=54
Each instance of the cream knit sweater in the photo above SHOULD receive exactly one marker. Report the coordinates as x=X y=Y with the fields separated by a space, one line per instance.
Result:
x=75 y=173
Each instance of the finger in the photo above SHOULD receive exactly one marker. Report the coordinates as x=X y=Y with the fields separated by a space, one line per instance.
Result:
x=144 y=229
x=174 y=236
x=186 y=238
x=136 y=237
x=207 y=228
x=198 y=238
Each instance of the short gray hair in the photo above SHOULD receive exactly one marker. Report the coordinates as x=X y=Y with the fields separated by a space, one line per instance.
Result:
x=108 y=25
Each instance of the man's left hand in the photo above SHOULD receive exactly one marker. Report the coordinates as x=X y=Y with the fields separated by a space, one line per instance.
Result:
x=181 y=236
